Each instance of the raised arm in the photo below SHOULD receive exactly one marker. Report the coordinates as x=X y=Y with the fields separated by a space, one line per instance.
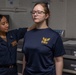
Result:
x=32 y=27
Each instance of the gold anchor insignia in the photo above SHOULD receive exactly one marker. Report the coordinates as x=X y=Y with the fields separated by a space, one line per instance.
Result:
x=45 y=40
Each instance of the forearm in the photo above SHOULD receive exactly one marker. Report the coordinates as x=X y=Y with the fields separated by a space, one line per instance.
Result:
x=31 y=27
x=59 y=66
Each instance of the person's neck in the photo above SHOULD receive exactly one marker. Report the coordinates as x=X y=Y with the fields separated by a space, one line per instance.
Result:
x=41 y=26
x=2 y=34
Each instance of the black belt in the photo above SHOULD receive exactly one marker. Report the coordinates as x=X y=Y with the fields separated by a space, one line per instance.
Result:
x=8 y=66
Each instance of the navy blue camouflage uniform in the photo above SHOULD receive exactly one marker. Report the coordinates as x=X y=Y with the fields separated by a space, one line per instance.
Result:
x=8 y=51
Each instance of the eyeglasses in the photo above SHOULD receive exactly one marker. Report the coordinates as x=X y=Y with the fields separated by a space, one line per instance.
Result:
x=37 y=12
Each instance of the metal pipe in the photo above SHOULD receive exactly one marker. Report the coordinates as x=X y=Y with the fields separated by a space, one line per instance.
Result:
x=13 y=9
